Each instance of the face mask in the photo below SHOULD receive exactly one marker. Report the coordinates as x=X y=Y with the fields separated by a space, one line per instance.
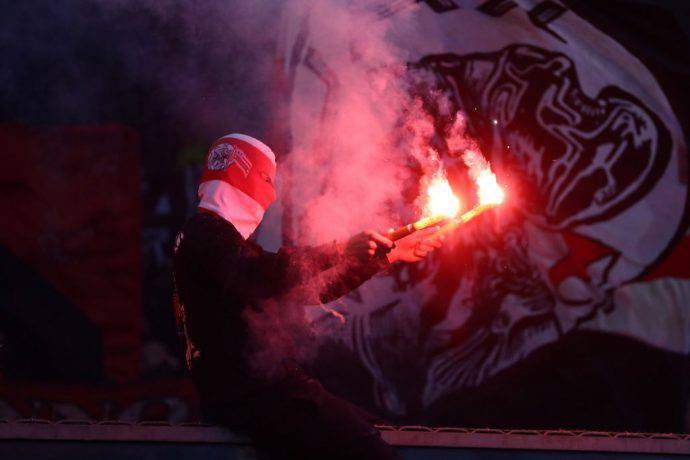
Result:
x=237 y=183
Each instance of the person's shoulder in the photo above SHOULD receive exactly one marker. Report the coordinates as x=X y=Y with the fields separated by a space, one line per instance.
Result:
x=203 y=223
x=205 y=232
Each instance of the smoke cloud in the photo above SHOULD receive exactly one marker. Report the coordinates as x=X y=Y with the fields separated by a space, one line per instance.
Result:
x=209 y=69
x=360 y=166
x=368 y=138
x=370 y=141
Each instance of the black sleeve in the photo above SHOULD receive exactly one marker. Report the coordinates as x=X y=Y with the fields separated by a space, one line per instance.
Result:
x=335 y=282
x=247 y=272
x=242 y=269
x=344 y=278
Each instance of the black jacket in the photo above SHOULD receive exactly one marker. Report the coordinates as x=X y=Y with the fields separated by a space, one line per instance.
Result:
x=221 y=280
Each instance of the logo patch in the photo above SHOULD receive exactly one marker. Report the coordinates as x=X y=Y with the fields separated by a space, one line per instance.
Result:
x=225 y=155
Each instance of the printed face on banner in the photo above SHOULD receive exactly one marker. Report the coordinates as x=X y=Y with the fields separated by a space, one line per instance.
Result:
x=579 y=166
x=595 y=201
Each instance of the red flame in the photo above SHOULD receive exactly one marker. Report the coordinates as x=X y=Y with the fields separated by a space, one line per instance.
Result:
x=440 y=198
x=488 y=190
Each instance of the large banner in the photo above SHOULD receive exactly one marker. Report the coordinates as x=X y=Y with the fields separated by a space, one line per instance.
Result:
x=593 y=240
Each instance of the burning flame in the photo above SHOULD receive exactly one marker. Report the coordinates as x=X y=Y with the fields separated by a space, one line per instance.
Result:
x=488 y=190
x=440 y=198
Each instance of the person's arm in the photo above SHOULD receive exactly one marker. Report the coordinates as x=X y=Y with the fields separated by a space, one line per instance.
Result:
x=351 y=272
x=337 y=281
x=249 y=272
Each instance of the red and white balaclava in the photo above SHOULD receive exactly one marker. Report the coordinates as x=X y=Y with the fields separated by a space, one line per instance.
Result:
x=237 y=183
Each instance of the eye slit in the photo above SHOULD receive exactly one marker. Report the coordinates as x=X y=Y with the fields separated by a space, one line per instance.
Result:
x=266 y=178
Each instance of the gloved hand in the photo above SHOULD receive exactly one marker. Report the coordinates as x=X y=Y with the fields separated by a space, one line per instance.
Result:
x=363 y=246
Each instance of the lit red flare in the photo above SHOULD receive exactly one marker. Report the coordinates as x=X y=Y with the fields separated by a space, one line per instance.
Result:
x=466 y=217
x=488 y=190
x=441 y=201
x=490 y=194
x=442 y=204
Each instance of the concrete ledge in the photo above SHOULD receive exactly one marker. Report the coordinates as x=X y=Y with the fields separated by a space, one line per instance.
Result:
x=77 y=430
x=404 y=436
x=555 y=440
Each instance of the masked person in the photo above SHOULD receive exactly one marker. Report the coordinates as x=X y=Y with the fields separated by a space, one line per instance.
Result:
x=221 y=278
